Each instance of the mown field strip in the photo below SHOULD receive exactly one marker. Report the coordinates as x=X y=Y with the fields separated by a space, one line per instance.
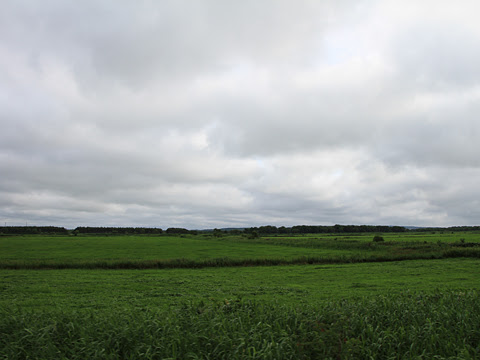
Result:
x=37 y=289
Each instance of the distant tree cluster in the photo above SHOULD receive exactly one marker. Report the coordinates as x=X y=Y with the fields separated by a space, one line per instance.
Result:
x=117 y=230
x=32 y=230
x=177 y=231
x=320 y=229
x=453 y=228
x=349 y=229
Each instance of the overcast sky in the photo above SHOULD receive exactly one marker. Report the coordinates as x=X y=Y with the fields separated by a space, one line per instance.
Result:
x=217 y=113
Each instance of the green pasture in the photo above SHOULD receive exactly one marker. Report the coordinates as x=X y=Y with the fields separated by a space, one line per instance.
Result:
x=314 y=240
x=294 y=284
x=121 y=248
x=136 y=251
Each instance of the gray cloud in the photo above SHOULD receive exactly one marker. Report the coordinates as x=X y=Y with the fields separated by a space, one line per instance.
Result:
x=212 y=114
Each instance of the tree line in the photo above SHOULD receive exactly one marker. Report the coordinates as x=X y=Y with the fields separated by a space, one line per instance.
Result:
x=261 y=230
x=31 y=230
x=89 y=230
x=323 y=229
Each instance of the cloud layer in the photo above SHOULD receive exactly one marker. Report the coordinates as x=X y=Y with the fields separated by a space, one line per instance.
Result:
x=215 y=114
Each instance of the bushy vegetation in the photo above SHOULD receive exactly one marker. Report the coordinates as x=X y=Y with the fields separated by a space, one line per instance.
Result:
x=378 y=238
x=439 y=325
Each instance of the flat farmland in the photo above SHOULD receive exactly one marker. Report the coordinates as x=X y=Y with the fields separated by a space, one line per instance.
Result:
x=205 y=250
x=292 y=284
x=202 y=297
x=83 y=249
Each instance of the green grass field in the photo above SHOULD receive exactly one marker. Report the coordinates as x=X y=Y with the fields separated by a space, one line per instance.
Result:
x=84 y=249
x=358 y=304
x=17 y=252
x=292 y=284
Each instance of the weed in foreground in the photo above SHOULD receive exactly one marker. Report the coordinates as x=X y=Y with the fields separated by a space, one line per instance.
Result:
x=410 y=325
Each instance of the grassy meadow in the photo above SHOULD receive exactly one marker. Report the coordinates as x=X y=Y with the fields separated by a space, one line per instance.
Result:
x=134 y=251
x=415 y=295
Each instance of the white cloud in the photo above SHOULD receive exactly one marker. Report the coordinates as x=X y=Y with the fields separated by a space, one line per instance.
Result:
x=235 y=114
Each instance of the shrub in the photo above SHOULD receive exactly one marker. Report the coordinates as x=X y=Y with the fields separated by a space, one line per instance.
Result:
x=378 y=238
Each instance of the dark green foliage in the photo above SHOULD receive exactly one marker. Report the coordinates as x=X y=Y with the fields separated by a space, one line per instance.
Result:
x=439 y=325
x=352 y=229
x=378 y=238
x=217 y=233
x=176 y=231
x=262 y=230
x=117 y=230
x=319 y=229
x=195 y=264
x=268 y=229
x=33 y=230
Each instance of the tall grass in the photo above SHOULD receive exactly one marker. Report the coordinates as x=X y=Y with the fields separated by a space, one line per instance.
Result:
x=399 y=254
x=439 y=325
